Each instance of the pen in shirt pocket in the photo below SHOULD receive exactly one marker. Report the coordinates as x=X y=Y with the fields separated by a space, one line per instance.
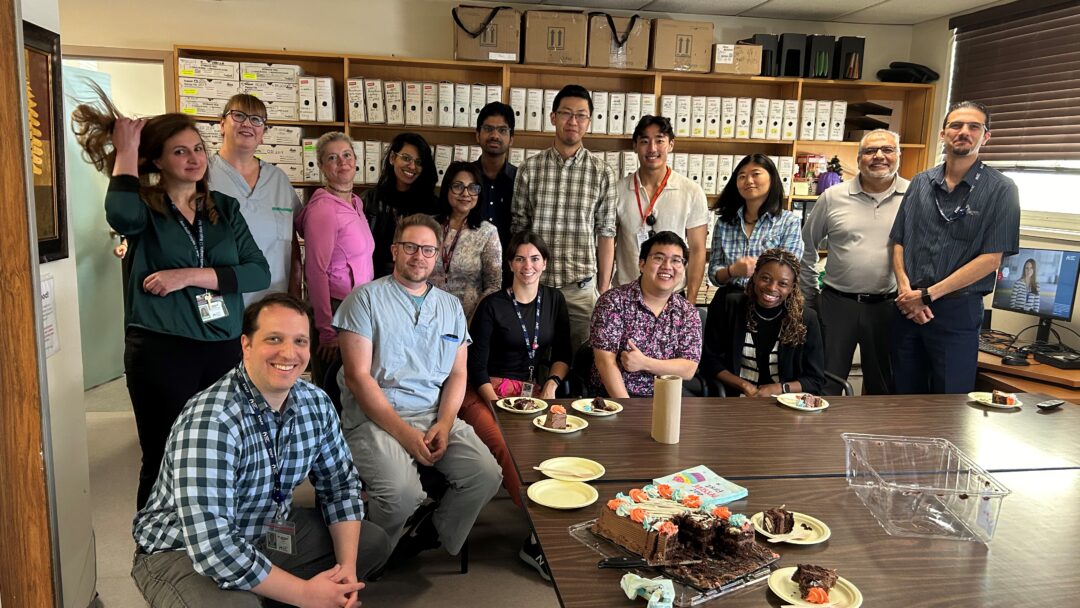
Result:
x=451 y=338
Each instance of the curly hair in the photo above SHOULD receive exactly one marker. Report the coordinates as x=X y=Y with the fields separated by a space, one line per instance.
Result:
x=792 y=328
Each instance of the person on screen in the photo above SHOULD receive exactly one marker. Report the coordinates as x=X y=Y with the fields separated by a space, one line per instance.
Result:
x=1025 y=291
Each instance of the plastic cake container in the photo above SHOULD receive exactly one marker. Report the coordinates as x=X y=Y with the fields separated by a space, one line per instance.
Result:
x=923 y=487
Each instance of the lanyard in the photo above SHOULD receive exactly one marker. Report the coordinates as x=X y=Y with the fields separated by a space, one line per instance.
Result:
x=656 y=196
x=197 y=239
x=534 y=345
x=962 y=207
x=278 y=495
x=448 y=255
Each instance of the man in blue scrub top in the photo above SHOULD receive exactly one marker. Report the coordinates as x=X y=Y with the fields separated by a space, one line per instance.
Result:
x=403 y=349
x=954 y=225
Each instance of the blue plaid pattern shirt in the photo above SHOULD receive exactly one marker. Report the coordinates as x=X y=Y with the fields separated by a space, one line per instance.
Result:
x=729 y=242
x=212 y=497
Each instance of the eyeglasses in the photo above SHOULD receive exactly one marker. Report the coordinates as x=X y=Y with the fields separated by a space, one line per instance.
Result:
x=659 y=259
x=407 y=159
x=566 y=115
x=958 y=125
x=241 y=117
x=885 y=150
x=460 y=188
x=428 y=251
x=488 y=130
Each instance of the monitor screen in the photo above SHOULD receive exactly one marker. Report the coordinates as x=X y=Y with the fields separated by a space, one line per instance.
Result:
x=1039 y=282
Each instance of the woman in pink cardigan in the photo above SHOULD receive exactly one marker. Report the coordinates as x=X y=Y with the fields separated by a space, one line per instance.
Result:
x=337 y=245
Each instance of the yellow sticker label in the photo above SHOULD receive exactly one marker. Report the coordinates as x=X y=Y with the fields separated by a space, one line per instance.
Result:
x=248 y=76
x=187 y=72
x=189 y=92
x=192 y=111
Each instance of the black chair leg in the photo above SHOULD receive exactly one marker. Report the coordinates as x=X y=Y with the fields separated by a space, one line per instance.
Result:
x=465 y=557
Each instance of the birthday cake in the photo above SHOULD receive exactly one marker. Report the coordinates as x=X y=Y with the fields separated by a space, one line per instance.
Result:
x=667 y=526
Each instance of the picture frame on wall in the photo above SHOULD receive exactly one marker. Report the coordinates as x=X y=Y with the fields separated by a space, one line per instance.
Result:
x=45 y=103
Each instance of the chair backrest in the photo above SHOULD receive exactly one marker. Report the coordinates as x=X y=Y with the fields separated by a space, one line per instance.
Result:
x=581 y=371
x=330 y=385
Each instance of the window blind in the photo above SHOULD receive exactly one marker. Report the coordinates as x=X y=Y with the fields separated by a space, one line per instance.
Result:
x=1022 y=60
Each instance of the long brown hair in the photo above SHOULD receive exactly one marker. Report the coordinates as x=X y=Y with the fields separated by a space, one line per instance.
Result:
x=93 y=126
x=792 y=328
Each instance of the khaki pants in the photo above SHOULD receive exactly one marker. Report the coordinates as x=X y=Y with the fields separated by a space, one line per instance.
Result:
x=580 y=302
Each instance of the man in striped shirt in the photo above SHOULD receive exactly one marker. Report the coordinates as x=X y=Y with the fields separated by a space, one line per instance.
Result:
x=955 y=224
x=219 y=528
x=567 y=195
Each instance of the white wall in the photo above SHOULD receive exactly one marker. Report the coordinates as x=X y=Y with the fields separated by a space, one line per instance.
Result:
x=67 y=417
x=408 y=28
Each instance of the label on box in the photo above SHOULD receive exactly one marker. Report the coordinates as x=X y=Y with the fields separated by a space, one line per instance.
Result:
x=395 y=102
x=269 y=72
x=462 y=97
x=373 y=99
x=414 y=99
x=725 y=54
x=807 y=127
x=698 y=108
x=446 y=104
x=616 y=113
x=511 y=57
x=210 y=132
x=683 y=105
x=494 y=93
x=461 y=152
x=599 y=123
x=277 y=154
x=474 y=153
x=282 y=135
x=210 y=89
x=305 y=89
x=202 y=106
x=728 y=117
x=429 y=117
x=272 y=91
x=208 y=68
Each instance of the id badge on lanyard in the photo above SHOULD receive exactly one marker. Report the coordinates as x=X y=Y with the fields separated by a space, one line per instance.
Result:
x=531 y=344
x=211 y=305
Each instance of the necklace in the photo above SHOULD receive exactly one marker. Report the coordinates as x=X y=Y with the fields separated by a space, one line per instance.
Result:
x=764 y=318
x=341 y=192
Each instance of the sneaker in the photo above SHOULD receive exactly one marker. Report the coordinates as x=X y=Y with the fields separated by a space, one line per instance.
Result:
x=420 y=535
x=531 y=554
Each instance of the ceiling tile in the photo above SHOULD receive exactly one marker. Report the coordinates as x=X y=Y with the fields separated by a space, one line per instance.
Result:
x=801 y=9
x=614 y=5
x=702 y=7
x=908 y=12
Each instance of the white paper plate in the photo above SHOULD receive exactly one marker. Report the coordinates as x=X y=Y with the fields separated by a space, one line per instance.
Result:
x=792 y=400
x=818 y=532
x=987 y=400
x=585 y=407
x=573 y=424
x=538 y=405
x=588 y=469
x=559 y=494
x=842 y=595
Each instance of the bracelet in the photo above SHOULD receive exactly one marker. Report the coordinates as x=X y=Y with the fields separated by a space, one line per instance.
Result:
x=554 y=377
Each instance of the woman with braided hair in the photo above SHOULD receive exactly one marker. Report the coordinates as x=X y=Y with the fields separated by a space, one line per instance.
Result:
x=763 y=341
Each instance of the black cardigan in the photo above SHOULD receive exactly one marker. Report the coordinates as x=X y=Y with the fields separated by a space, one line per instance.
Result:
x=725 y=333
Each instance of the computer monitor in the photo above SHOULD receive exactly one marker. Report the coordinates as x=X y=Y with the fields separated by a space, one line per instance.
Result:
x=1041 y=283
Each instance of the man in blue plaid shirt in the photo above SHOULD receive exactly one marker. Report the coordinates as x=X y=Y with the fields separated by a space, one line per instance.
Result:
x=218 y=529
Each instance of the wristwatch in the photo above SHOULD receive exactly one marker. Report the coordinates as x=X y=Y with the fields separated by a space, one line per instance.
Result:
x=926 y=296
x=554 y=377
x=784 y=387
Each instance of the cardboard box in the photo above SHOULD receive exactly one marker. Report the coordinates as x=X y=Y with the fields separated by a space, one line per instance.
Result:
x=683 y=106
x=294 y=171
x=786 y=168
x=549 y=103
x=358 y=152
x=325 y=108
x=648 y=104
x=208 y=68
x=616 y=113
x=414 y=100
x=708 y=173
x=484 y=33
x=305 y=88
x=372 y=161
x=517 y=102
x=728 y=117
x=680 y=163
x=477 y=101
x=695 y=168
x=698 y=108
x=474 y=153
x=535 y=116
x=461 y=153
x=776 y=119
x=737 y=59
x=373 y=99
x=713 y=107
x=685 y=46
x=429 y=116
x=446 y=104
x=836 y=123
x=210 y=132
x=531 y=152
x=627 y=46
x=760 y=118
x=282 y=135
x=807 y=126
x=311 y=160
x=743 y=111
x=517 y=156
x=202 y=106
x=210 y=89
x=494 y=93
x=444 y=155
x=668 y=106
x=395 y=102
x=600 y=103
x=724 y=167
x=612 y=159
x=354 y=93
x=272 y=91
x=269 y=72
x=276 y=155
x=280 y=110
x=633 y=113
x=462 y=99
x=824 y=114
x=555 y=37
x=789 y=131
x=629 y=163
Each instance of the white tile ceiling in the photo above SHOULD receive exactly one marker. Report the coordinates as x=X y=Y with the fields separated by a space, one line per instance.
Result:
x=894 y=12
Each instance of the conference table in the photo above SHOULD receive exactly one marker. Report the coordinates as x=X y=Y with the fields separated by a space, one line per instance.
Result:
x=784 y=456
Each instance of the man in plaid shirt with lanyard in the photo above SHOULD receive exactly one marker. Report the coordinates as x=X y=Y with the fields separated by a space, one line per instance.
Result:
x=567 y=195
x=218 y=529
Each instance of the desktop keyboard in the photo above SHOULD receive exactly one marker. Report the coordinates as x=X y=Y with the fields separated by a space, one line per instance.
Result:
x=995 y=348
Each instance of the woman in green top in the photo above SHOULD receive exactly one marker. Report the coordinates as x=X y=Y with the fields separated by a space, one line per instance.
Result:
x=192 y=258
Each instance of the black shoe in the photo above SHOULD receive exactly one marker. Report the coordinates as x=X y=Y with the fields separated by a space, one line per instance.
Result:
x=420 y=535
x=531 y=554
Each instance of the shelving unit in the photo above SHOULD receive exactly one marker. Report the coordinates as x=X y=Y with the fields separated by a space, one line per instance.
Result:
x=915 y=131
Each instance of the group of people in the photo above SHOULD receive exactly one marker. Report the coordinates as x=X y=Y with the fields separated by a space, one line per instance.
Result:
x=431 y=307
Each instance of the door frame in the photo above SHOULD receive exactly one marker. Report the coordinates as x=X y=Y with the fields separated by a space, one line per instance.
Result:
x=72 y=51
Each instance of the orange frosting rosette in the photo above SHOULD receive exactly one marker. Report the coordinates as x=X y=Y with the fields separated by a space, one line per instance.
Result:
x=637 y=515
x=665 y=491
x=817 y=595
x=557 y=409
x=692 y=500
x=639 y=495
x=667 y=528
x=614 y=504
x=722 y=512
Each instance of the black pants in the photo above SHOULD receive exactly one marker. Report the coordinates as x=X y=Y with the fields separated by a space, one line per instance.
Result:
x=845 y=323
x=942 y=355
x=163 y=372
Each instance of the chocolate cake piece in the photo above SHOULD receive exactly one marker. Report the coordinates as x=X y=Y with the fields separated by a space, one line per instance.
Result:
x=601 y=405
x=556 y=418
x=809 y=576
x=1002 y=398
x=778 y=521
x=522 y=404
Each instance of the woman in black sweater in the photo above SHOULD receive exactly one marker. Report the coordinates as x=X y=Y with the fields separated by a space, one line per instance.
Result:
x=764 y=342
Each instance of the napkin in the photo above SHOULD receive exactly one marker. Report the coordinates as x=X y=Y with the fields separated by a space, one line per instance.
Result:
x=659 y=592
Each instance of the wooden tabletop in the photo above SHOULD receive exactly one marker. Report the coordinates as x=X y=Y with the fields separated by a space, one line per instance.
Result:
x=1024 y=565
x=1034 y=371
x=757 y=438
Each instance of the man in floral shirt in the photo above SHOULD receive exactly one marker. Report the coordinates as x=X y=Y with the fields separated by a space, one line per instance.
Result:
x=644 y=329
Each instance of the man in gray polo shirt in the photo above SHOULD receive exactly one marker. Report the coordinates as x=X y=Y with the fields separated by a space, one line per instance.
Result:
x=403 y=350
x=955 y=224
x=853 y=220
